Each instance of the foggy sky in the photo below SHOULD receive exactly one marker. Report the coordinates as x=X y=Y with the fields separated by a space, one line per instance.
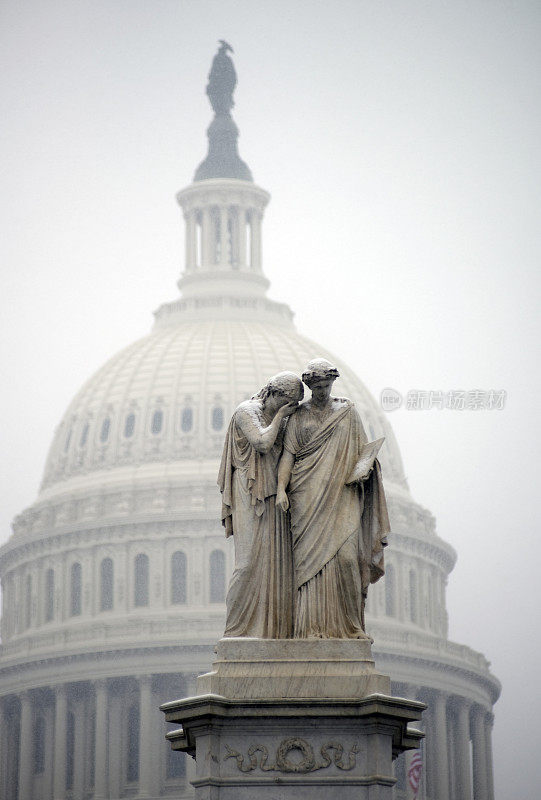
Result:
x=400 y=143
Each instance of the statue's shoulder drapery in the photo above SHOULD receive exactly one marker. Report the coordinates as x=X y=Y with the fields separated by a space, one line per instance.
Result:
x=239 y=453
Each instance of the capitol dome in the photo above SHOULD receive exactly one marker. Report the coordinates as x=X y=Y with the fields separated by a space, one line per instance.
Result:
x=114 y=580
x=166 y=399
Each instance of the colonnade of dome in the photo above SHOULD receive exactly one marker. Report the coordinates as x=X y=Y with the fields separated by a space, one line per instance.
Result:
x=95 y=574
x=223 y=226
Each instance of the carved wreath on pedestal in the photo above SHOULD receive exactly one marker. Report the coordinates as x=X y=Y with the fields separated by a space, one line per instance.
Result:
x=282 y=763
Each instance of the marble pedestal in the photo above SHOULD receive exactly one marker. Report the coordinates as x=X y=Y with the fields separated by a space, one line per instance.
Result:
x=293 y=719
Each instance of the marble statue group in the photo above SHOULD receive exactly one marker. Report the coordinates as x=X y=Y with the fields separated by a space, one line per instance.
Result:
x=308 y=536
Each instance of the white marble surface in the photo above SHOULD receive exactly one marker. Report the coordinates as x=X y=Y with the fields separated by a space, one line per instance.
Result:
x=291 y=749
x=291 y=668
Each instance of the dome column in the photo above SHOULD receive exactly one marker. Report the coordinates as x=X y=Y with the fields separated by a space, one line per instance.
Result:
x=49 y=752
x=206 y=234
x=100 y=747
x=60 y=734
x=489 y=722
x=191 y=239
x=224 y=236
x=255 y=243
x=234 y=237
x=26 y=771
x=417 y=694
x=145 y=737
x=3 y=750
x=115 y=739
x=439 y=751
x=462 y=750
x=479 y=756
x=400 y=603
x=242 y=231
x=79 y=749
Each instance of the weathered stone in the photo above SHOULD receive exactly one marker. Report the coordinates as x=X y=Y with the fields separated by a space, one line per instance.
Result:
x=293 y=749
x=247 y=668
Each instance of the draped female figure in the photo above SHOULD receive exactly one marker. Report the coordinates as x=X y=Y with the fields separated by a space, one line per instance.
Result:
x=338 y=529
x=260 y=596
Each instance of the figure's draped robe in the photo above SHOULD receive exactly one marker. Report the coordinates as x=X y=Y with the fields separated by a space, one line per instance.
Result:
x=260 y=596
x=338 y=531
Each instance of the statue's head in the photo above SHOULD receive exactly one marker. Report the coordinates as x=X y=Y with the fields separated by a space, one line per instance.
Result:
x=225 y=47
x=285 y=384
x=317 y=370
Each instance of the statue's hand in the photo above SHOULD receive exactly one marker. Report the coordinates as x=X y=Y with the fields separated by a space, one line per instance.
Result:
x=288 y=409
x=282 y=499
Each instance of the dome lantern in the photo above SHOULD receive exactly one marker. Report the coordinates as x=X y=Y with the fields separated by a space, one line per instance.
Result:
x=223 y=237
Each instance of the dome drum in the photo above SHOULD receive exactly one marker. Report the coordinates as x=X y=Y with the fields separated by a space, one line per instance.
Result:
x=199 y=541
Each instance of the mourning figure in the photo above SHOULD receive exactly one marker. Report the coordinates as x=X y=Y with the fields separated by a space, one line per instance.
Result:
x=261 y=592
x=338 y=528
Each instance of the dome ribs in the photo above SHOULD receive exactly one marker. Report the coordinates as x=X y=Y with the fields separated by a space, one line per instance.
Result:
x=255 y=360
x=177 y=402
x=202 y=409
x=152 y=401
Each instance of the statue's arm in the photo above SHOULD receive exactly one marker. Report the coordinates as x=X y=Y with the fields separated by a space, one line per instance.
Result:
x=261 y=438
x=285 y=466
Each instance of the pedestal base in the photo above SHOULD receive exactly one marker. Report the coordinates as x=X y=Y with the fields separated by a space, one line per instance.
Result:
x=276 y=668
x=293 y=720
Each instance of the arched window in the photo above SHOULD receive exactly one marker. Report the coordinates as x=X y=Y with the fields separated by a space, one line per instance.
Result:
x=178 y=577
x=76 y=580
x=106 y=584
x=84 y=435
x=104 y=432
x=389 y=590
x=186 y=420
x=38 y=762
x=28 y=602
x=129 y=425
x=49 y=595
x=132 y=763
x=140 y=594
x=413 y=596
x=217 y=419
x=157 y=422
x=217 y=576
